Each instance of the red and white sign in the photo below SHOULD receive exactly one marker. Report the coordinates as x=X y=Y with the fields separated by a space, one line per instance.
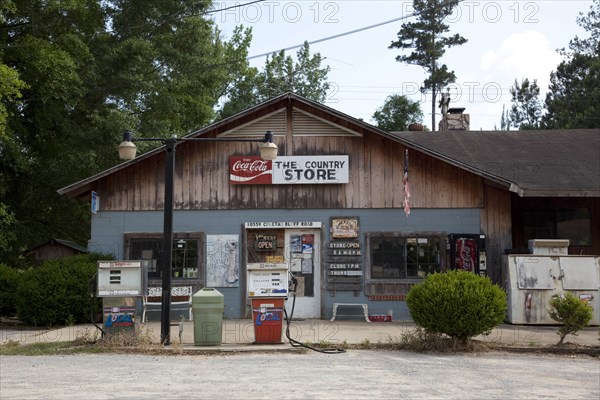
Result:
x=250 y=170
x=289 y=170
x=466 y=254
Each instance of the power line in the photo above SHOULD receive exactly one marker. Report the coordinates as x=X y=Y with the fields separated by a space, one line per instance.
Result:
x=231 y=7
x=334 y=36
x=345 y=33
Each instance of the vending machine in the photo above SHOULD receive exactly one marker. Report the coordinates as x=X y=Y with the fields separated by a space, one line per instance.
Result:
x=120 y=284
x=466 y=252
x=267 y=290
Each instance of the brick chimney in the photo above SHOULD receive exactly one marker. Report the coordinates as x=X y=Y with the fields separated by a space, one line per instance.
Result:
x=455 y=120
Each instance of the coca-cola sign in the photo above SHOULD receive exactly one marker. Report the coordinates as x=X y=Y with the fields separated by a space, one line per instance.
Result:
x=466 y=254
x=289 y=170
x=246 y=170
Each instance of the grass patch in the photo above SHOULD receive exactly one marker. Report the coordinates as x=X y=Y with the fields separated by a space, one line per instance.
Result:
x=418 y=340
x=421 y=340
x=88 y=341
x=12 y=348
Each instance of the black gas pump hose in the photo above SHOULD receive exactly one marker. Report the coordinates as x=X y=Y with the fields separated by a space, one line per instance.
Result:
x=295 y=343
x=92 y=288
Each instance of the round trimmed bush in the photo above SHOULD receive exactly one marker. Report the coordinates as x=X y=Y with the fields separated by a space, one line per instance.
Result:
x=572 y=313
x=58 y=292
x=457 y=303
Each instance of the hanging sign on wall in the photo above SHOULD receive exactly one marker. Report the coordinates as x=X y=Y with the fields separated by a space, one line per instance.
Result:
x=289 y=170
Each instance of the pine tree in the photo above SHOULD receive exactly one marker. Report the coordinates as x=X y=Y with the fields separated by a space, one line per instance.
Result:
x=526 y=110
x=425 y=37
x=573 y=100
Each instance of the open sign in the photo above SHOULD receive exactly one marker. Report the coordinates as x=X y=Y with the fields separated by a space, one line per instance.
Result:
x=265 y=243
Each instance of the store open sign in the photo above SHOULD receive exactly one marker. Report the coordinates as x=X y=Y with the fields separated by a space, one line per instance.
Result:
x=265 y=243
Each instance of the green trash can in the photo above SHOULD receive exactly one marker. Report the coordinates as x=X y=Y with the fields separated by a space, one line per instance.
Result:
x=208 y=306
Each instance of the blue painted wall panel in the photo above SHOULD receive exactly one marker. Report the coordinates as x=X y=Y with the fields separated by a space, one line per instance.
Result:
x=108 y=229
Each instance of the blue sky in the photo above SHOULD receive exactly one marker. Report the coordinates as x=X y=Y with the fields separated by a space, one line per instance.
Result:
x=506 y=40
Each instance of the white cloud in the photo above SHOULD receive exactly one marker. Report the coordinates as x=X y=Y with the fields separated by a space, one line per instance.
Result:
x=527 y=54
x=522 y=55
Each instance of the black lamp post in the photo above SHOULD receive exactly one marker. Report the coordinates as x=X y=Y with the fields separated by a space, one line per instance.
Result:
x=127 y=150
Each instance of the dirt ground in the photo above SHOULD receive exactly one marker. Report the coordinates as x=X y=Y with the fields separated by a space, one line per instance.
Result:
x=356 y=374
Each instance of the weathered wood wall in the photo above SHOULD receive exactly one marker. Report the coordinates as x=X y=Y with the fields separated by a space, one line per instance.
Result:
x=376 y=169
x=496 y=223
x=52 y=252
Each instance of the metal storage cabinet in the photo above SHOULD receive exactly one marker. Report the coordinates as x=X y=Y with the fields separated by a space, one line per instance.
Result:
x=532 y=280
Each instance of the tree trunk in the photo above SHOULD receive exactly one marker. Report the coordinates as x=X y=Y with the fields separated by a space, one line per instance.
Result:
x=433 y=90
x=433 y=85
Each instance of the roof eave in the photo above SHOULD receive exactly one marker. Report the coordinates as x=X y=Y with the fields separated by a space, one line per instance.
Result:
x=549 y=192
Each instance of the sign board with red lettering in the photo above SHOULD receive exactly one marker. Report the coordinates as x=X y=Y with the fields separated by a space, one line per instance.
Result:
x=119 y=278
x=250 y=171
x=288 y=170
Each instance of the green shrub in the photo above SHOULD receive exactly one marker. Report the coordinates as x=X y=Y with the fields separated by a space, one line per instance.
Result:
x=572 y=313
x=58 y=292
x=458 y=304
x=9 y=281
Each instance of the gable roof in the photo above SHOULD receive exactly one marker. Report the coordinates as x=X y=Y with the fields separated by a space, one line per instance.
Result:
x=238 y=121
x=552 y=163
x=66 y=243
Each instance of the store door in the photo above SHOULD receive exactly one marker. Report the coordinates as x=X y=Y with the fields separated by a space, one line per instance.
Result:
x=303 y=253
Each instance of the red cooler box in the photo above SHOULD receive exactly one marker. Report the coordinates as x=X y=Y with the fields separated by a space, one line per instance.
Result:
x=267 y=314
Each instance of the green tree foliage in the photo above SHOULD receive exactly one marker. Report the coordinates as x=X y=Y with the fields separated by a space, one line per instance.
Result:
x=426 y=37
x=9 y=281
x=572 y=313
x=397 y=113
x=573 y=100
x=58 y=292
x=457 y=303
x=504 y=120
x=87 y=70
x=10 y=91
x=281 y=74
x=526 y=110
x=7 y=236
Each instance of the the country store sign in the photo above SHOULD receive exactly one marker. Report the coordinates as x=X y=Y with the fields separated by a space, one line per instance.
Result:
x=288 y=170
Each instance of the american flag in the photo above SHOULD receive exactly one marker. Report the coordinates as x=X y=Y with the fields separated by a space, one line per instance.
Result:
x=406 y=186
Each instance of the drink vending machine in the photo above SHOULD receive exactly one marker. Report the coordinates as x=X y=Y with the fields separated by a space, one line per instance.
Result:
x=120 y=284
x=466 y=252
x=267 y=290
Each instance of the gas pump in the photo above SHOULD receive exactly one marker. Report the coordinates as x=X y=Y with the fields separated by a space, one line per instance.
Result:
x=120 y=284
x=268 y=290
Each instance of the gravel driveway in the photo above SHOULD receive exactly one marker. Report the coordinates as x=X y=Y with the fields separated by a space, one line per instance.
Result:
x=352 y=375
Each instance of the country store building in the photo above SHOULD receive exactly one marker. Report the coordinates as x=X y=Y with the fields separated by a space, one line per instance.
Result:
x=332 y=205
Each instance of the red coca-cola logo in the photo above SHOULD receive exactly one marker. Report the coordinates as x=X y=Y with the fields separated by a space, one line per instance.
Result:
x=250 y=170
x=465 y=254
x=245 y=165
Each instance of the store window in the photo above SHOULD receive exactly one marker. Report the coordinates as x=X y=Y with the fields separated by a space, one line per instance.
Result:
x=572 y=224
x=394 y=256
x=185 y=257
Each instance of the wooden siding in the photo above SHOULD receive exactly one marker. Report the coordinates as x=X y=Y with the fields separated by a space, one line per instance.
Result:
x=496 y=224
x=51 y=251
x=306 y=124
x=376 y=169
x=274 y=122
